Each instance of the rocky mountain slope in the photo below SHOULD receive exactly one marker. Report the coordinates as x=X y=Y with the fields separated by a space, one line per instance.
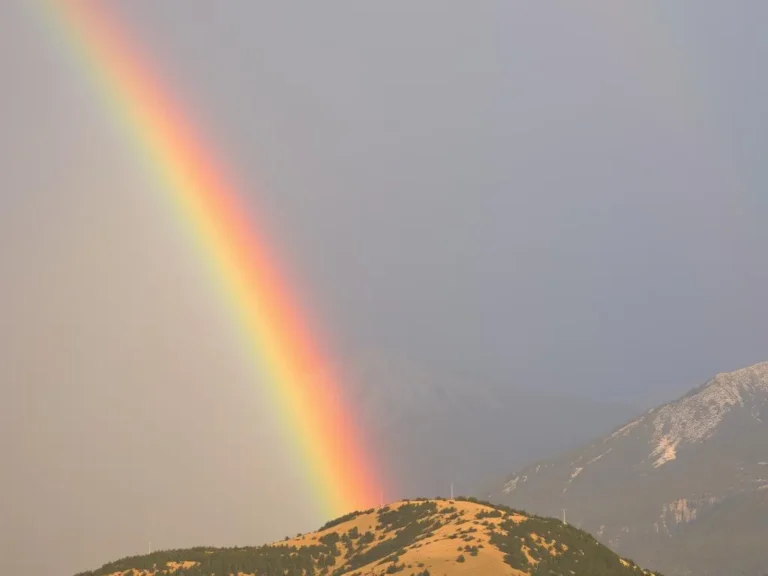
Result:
x=416 y=538
x=683 y=488
x=473 y=428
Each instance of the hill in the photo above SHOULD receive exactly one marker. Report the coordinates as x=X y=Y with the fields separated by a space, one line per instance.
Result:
x=413 y=538
x=682 y=489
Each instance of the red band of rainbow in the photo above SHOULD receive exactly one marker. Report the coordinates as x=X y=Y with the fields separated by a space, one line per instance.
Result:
x=300 y=379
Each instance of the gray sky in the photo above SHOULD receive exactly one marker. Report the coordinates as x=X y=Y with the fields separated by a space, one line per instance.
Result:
x=569 y=197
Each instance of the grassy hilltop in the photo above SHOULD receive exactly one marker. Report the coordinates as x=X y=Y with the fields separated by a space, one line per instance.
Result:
x=411 y=538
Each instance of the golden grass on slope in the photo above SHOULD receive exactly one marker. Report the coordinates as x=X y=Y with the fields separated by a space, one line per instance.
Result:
x=550 y=546
x=134 y=572
x=170 y=567
x=173 y=566
x=445 y=537
x=439 y=552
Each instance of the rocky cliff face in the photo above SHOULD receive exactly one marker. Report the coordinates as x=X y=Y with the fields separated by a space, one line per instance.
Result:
x=683 y=488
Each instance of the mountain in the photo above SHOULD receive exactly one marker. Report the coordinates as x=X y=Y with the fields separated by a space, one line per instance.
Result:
x=474 y=428
x=683 y=488
x=415 y=538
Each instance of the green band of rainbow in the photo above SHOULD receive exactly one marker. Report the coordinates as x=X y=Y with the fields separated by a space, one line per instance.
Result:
x=298 y=376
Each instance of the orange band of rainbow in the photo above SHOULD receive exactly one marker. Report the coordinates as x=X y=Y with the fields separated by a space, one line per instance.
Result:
x=298 y=376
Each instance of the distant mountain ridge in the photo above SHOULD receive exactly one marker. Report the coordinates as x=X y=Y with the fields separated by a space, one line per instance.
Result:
x=472 y=428
x=683 y=488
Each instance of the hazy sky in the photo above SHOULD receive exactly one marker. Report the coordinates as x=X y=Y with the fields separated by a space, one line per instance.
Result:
x=570 y=197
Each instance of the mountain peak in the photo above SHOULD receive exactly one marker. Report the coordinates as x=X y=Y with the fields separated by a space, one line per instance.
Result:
x=753 y=377
x=666 y=481
x=696 y=416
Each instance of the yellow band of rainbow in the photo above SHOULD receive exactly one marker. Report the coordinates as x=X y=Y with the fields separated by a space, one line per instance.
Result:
x=299 y=378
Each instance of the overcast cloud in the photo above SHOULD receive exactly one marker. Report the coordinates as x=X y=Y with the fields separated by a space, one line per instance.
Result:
x=567 y=197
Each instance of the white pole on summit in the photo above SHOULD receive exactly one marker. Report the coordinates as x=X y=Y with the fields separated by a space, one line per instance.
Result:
x=451 y=490
x=564 y=509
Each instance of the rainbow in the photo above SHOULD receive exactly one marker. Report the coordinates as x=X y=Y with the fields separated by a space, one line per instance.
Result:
x=299 y=378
